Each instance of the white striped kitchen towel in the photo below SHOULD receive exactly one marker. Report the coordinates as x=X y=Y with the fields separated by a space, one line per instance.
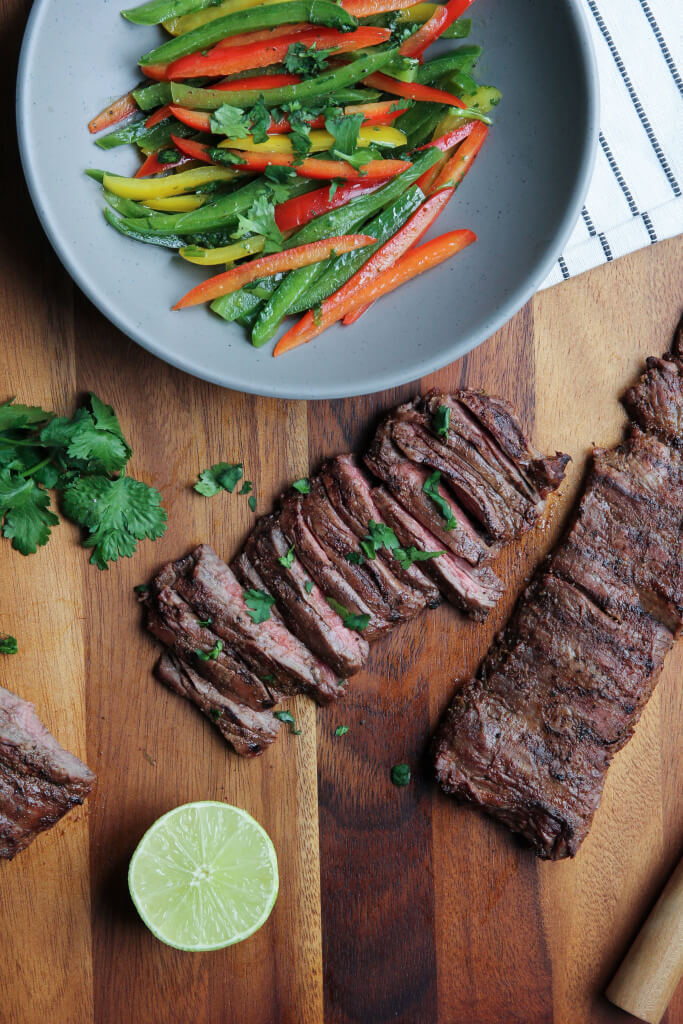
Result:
x=635 y=196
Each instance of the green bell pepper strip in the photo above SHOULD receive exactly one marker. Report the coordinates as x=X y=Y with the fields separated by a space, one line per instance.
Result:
x=460 y=29
x=330 y=82
x=132 y=228
x=242 y=305
x=317 y=12
x=148 y=139
x=126 y=207
x=156 y=11
x=416 y=122
x=462 y=59
x=341 y=221
x=339 y=270
x=149 y=97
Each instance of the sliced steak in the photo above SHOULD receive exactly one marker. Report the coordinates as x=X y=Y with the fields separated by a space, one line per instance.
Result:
x=39 y=780
x=348 y=490
x=405 y=480
x=497 y=416
x=308 y=615
x=655 y=403
x=268 y=647
x=248 y=732
x=474 y=589
x=173 y=622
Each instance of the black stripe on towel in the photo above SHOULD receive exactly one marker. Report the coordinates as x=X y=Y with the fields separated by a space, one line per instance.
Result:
x=666 y=52
x=588 y=221
x=650 y=229
x=614 y=167
x=605 y=247
x=564 y=268
x=644 y=119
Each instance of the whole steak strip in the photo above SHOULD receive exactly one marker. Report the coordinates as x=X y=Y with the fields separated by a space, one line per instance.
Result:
x=530 y=740
x=248 y=732
x=475 y=590
x=655 y=403
x=349 y=492
x=39 y=780
x=214 y=591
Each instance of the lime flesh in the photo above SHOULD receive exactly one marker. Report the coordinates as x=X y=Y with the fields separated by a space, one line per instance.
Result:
x=204 y=876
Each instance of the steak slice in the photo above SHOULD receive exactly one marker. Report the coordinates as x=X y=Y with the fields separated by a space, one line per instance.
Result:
x=497 y=416
x=405 y=480
x=248 y=732
x=173 y=622
x=308 y=615
x=39 y=780
x=268 y=647
x=655 y=403
x=348 y=490
x=474 y=589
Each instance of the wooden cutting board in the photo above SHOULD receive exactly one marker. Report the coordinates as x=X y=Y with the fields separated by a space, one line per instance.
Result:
x=395 y=904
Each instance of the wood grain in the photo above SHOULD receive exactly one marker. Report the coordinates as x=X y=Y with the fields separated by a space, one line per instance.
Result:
x=395 y=904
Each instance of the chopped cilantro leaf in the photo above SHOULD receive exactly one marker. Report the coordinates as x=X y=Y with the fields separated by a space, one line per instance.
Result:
x=431 y=489
x=406 y=556
x=341 y=730
x=252 y=503
x=215 y=714
x=247 y=487
x=27 y=516
x=288 y=559
x=308 y=586
x=260 y=220
x=354 y=557
x=351 y=620
x=168 y=156
x=400 y=774
x=204 y=622
x=225 y=156
x=230 y=121
x=441 y=420
x=303 y=485
x=358 y=159
x=279 y=175
x=8 y=644
x=223 y=476
x=211 y=655
x=333 y=190
x=306 y=61
x=344 y=128
x=141 y=588
x=288 y=718
x=259 y=604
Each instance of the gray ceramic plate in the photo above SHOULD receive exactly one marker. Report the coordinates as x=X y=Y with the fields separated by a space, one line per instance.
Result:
x=522 y=199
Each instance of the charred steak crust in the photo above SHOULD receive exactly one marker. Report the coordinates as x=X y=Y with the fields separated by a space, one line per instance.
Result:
x=39 y=780
x=655 y=403
x=531 y=738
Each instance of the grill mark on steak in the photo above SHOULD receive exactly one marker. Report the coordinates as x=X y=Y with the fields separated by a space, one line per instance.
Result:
x=474 y=589
x=497 y=416
x=248 y=732
x=308 y=615
x=348 y=490
x=39 y=780
x=531 y=738
x=173 y=622
x=655 y=403
x=405 y=481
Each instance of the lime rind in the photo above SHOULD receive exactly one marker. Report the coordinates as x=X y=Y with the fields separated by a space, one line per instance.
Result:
x=204 y=876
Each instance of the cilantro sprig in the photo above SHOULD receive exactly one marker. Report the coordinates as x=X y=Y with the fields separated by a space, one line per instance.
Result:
x=380 y=536
x=259 y=604
x=8 y=644
x=288 y=718
x=83 y=459
x=351 y=620
x=306 y=61
x=431 y=489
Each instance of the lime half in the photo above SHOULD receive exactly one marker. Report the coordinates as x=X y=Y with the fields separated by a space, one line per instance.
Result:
x=204 y=876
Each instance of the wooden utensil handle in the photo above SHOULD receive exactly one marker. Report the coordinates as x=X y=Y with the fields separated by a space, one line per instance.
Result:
x=652 y=968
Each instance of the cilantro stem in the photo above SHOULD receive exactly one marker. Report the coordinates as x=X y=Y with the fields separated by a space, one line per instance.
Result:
x=23 y=444
x=39 y=465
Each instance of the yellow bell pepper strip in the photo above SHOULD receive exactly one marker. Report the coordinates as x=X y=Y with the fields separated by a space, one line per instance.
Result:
x=160 y=188
x=340 y=302
x=459 y=164
x=224 y=254
x=413 y=263
x=233 y=59
x=371 y=135
x=309 y=168
x=189 y=22
x=117 y=111
x=442 y=18
x=413 y=90
x=176 y=204
x=266 y=266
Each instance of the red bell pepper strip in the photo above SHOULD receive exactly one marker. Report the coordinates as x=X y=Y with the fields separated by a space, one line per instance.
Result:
x=412 y=90
x=450 y=139
x=159 y=115
x=413 y=263
x=115 y=112
x=336 y=306
x=264 y=82
x=459 y=164
x=296 y=212
x=158 y=72
x=309 y=168
x=152 y=166
x=368 y=8
x=260 y=55
x=374 y=113
x=261 y=35
x=265 y=266
x=440 y=20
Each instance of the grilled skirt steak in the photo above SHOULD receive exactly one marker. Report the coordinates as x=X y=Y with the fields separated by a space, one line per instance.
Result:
x=248 y=732
x=39 y=780
x=531 y=738
x=655 y=403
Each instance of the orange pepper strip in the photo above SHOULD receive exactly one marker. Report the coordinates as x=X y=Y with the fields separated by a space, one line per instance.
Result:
x=275 y=263
x=374 y=113
x=309 y=168
x=440 y=20
x=115 y=112
x=259 y=55
x=343 y=301
x=159 y=115
x=412 y=90
x=153 y=166
x=261 y=82
x=459 y=164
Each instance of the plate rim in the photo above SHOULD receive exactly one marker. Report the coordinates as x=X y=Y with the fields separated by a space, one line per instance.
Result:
x=552 y=250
